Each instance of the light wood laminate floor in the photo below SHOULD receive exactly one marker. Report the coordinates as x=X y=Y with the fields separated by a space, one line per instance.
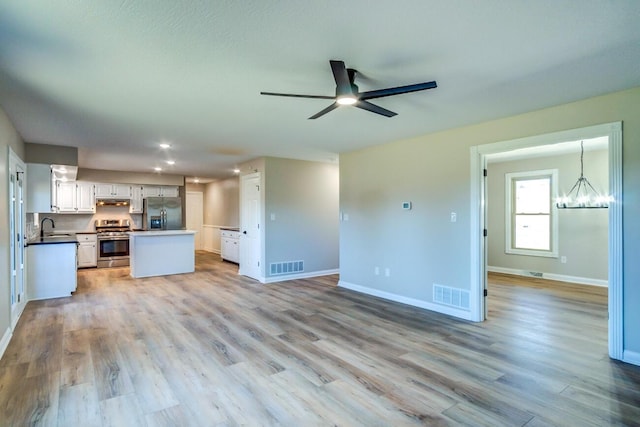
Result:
x=216 y=349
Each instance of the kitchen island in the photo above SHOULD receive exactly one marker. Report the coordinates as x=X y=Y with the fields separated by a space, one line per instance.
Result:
x=161 y=253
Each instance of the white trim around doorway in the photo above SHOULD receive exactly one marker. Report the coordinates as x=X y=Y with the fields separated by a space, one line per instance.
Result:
x=478 y=248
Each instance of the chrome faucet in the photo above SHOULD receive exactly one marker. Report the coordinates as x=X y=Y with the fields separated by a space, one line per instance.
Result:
x=53 y=225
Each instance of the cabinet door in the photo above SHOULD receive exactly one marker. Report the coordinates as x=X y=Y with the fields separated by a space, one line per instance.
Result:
x=234 y=251
x=66 y=196
x=136 y=199
x=85 y=197
x=103 y=191
x=87 y=255
x=151 y=191
x=169 y=192
x=121 y=191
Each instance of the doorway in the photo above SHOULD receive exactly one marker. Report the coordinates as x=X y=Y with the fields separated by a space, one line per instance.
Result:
x=251 y=233
x=479 y=155
x=17 y=228
x=195 y=216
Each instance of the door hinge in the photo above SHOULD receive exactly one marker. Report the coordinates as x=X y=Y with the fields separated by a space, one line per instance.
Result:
x=484 y=232
x=486 y=293
x=485 y=172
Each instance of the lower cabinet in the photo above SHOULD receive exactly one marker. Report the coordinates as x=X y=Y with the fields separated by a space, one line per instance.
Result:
x=230 y=245
x=87 y=250
x=51 y=270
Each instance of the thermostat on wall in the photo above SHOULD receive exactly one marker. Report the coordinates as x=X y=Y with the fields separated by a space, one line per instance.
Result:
x=406 y=206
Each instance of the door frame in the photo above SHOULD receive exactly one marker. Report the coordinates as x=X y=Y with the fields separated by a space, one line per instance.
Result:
x=17 y=219
x=478 y=214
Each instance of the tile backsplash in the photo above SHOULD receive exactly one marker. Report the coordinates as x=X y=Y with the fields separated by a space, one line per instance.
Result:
x=81 y=222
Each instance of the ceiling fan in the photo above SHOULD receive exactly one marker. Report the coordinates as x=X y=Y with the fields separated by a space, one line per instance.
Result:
x=347 y=92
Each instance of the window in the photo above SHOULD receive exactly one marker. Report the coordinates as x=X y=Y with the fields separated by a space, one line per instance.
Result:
x=531 y=226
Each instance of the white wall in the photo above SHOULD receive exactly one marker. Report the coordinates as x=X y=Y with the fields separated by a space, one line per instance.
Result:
x=582 y=233
x=221 y=209
x=422 y=246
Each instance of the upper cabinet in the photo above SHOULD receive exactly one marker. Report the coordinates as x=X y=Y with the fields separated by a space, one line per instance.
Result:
x=136 y=199
x=113 y=191
x=75 y=197
x=39 y=188
x=160 y=191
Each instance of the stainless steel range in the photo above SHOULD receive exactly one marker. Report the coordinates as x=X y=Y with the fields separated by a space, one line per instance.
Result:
x=113 y=242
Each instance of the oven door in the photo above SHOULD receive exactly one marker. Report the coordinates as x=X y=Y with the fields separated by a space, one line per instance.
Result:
x=113 y=251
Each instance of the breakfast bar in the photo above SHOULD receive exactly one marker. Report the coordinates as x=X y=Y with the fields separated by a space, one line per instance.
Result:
x=161 y=253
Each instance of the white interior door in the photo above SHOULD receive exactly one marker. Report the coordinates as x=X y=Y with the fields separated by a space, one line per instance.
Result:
x=250 y=232
x=195 y=216
x=17 y=235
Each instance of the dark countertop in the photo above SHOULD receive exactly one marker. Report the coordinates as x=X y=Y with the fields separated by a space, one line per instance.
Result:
x=53 y=239
x=230 y=228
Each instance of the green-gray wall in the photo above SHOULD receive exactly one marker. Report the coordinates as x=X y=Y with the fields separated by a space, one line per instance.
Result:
x=301 y=213
x=8 y=138
x=422 y=246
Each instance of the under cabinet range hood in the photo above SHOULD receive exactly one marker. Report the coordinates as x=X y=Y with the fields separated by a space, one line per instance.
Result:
x=112 y=202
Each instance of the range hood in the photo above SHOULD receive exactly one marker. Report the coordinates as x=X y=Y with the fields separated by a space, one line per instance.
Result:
x=112 y=202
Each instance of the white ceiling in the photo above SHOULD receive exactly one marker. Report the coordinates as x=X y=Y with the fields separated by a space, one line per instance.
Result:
x=115 y=78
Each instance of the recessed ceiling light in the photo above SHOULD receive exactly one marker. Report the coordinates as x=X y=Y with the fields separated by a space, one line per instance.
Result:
x=157 y=169
x=164 y=145
x=196 y=180
x=236 y=170
x=171 y=162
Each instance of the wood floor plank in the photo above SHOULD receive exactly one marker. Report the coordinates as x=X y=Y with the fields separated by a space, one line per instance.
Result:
x=79 y=405
x=213 y=348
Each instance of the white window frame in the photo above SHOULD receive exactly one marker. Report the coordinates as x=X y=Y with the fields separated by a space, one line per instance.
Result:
x=509 y=203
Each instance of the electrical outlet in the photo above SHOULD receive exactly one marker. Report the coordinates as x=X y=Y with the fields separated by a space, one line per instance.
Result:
x=563 y=259
x=273 y=217
x=454 y=217
x=387 y=272
x=345 y=217
x=376 y=271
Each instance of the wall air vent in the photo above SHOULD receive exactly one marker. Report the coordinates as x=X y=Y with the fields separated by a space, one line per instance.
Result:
x=287 y=267
x=453 y=297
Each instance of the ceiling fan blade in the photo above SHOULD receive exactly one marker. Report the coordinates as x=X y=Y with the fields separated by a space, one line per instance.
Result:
x=340 y=75
x=293 y=95
x=380 y=93
x=365 y=105
x=325 y=111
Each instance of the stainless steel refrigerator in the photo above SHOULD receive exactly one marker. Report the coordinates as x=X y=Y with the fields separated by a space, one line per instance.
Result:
x=162 y=213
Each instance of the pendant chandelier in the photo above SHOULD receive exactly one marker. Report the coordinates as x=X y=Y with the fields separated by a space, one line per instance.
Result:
x=582 y=195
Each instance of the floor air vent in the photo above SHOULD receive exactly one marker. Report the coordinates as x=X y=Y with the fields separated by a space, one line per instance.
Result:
x=451 y=296
x=287 y=267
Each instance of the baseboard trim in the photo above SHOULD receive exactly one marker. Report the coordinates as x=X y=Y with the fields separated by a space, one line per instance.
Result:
x=551 y=276
x=308 y=275
x=4 y=342
x=632 y=357
x=462 y=314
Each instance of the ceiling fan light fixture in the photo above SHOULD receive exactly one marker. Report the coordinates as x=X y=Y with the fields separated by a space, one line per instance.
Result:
x=347 y=100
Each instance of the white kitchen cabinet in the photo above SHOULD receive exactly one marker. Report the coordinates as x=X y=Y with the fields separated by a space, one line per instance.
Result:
x=160 y=191
x=85 y=197
x=113 y=191
x=230 y=245
x=65 y=197
x=87 y=250
x=39 y=188
x=51 y=270
x=75 y=197
x=136 y=199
